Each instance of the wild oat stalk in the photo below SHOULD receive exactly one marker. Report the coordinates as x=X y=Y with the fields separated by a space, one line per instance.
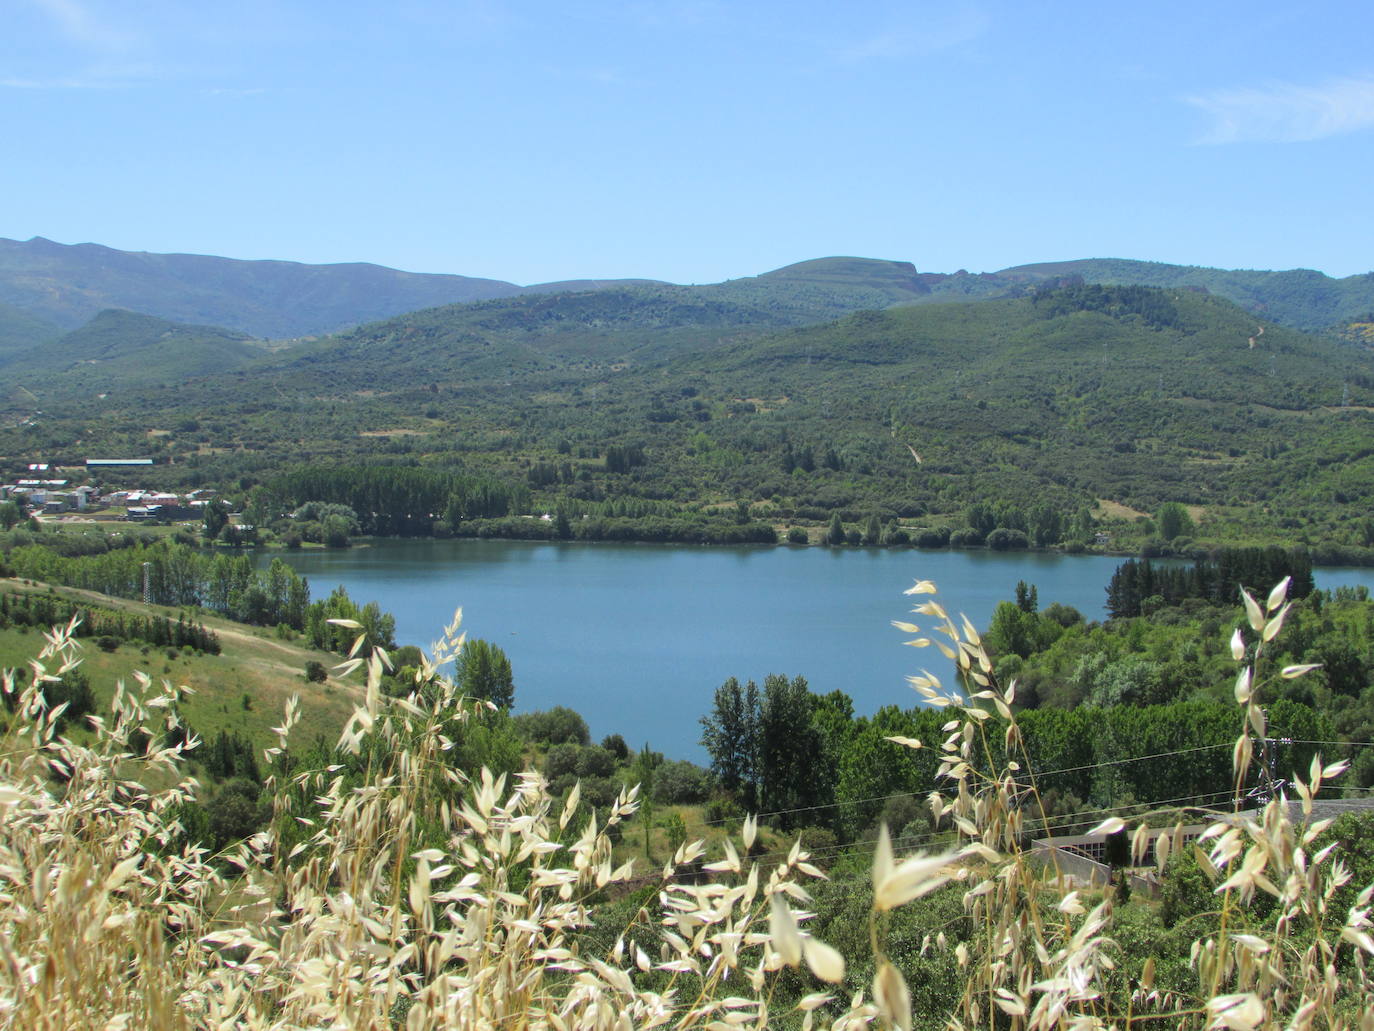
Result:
x=394 y=890
x=1042 y=960
x=416 y=896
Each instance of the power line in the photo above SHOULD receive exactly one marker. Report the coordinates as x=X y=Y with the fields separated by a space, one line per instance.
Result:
x=1065 y=821
x=1131 y=759
x=1338 y=744
x=1038 y=774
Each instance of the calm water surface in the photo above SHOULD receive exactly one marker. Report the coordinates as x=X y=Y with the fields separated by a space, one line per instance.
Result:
x=638 y=637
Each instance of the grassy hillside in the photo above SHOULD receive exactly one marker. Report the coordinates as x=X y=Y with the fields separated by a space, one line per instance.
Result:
x=244 y=688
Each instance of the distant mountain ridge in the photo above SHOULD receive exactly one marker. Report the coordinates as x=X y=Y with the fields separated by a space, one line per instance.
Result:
x=47 y=287
x=1301 y=298
x=68 y=284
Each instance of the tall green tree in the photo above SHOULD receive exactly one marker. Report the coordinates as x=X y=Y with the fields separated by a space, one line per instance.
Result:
x=835 y=535
x=730 y=735
x=1173 y=521
x=216 y=517
x=1046 y=525
x=981 y=517
x=788 y=746
x=873 y=532
x=642 y=773
x=483 y=671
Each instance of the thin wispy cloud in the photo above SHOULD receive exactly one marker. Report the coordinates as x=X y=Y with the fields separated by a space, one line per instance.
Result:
x=99 y=50
x=251 y=91
x=105 y=75
x=916 y=40
x=77 y=22
x=16 y=82
x=1285 y=112
x=605 y=76
x=675 y=15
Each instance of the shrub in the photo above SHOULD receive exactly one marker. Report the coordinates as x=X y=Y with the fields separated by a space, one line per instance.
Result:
x=561 y=761
x=594 y=761
x=553 y=726
x=678 y=782
x=1003 y=539
x=966 y=538
x=723 y=809
x=615 y=744
x=938 y=538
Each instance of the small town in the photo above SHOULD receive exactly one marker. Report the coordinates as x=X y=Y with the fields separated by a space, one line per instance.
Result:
x=45 y=491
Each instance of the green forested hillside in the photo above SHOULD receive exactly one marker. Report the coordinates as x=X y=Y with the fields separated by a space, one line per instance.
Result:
x=19 y=330
x=119 y=351
x=615 y=325
x=1020 y=395
x=1301 y=298
x=1067 y=398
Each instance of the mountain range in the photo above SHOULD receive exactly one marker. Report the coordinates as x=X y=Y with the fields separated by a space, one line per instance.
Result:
x=846 y=385
x=65 y=285
x=47 y=289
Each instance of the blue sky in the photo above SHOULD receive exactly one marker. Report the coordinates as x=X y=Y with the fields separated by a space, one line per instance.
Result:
x=693 y=141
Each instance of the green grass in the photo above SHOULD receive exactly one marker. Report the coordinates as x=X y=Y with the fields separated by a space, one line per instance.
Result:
x=252 y=663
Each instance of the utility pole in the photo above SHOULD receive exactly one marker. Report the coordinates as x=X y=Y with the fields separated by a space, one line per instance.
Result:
x=1270 y=785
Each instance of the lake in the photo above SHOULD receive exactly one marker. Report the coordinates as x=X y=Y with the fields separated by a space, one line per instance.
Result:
x=638 y=637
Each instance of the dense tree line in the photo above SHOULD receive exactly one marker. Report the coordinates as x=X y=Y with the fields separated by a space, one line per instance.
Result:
x=401 y=501
x=1140 y=584
x=804 y=759
x=1151 y=304
x=46 y=610
x=652 y=529
x=1040 y=524
x=178 y=576
x=622 y=458
x=184 y=577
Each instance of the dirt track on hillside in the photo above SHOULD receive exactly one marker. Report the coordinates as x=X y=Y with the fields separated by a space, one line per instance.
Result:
x=287 y=659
